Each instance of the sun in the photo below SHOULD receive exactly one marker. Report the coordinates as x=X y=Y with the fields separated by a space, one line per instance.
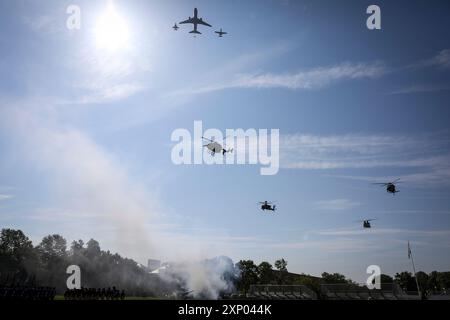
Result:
x=111 y=31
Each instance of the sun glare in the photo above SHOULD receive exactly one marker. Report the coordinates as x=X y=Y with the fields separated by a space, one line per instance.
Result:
x=111 y=31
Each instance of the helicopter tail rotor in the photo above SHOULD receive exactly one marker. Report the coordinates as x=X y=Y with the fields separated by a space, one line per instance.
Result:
x=225 y=151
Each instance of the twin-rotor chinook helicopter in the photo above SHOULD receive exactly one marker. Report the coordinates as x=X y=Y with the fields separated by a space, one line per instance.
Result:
x=366 y=223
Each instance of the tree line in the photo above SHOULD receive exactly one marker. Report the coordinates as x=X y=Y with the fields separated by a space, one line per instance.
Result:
x=45 y=264
x=266 y=274
x=22 y=264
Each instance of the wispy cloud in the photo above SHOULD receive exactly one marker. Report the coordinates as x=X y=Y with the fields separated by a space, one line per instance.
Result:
x=114 y=92
x=302 y=151
x=311 y=79
x=378 y=232
x=440 y=60
x=5 y=197
x=336 y=204
x=422 y=88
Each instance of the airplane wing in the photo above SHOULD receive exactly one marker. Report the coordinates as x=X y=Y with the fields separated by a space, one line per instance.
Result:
x=190 y=20
x=200 y=21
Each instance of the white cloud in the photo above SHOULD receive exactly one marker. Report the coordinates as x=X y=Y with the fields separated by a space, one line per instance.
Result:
x=115 y=92
x=336 y=204
x=421 y=153
x=422 y=88
x=311 y=79
x=384 y=232
x=5 y=196
x=441 y=60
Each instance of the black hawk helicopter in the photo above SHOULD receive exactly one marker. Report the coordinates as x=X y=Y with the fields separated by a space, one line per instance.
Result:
x=267 y=206
x=215 y=147
x=366 y=223
x=390 y=186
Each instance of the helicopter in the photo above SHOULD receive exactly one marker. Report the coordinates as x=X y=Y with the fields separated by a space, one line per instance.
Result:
x=390 y=186
x=366 y=223
x=267 y=206
x=215 y=147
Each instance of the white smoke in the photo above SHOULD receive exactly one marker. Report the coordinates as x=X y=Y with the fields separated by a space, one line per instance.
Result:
x=106 y=204
x=206 y=279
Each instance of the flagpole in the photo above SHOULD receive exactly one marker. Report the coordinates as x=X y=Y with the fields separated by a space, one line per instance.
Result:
x=414 y=269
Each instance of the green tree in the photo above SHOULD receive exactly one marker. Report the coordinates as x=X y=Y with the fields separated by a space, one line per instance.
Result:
x=281 y=266
x=422 y=279
x=92 y=248
x=406 y=281
x=76 y=246
x=52 y=247
x=16 y=253
x=444 y=280
x=265 y=273
x=433 y=281
x=52 y=251
x=386 y=278
x=334 y=278
x=248 y=275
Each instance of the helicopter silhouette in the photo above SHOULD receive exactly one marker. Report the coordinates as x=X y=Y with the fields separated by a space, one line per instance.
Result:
x=366 y=223
x=267 y=206
x=390 y=186
x=215 y=147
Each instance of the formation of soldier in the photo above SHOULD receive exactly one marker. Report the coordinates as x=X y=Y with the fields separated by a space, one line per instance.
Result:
x=27 y=293
x=94 y=294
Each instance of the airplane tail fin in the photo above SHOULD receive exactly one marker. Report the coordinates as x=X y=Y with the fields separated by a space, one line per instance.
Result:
x=274 y=207
x=195 y=31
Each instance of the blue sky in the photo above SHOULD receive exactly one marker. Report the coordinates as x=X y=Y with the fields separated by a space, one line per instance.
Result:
x=85 y=130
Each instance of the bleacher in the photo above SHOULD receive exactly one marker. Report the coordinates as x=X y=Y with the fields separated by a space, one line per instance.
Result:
x=281 y=292
x=388 y=291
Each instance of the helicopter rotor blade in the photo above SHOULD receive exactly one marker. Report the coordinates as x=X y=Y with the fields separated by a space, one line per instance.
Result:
x=208 y=139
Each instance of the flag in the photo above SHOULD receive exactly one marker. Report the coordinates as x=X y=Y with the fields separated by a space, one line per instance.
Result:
x=409 y=251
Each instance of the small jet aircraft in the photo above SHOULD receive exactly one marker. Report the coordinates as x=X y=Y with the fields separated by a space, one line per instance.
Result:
x=221 y=33
x=215 y=147
x=175 y=27
x=196 y=21
x=267 y=206
x=390 y=186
